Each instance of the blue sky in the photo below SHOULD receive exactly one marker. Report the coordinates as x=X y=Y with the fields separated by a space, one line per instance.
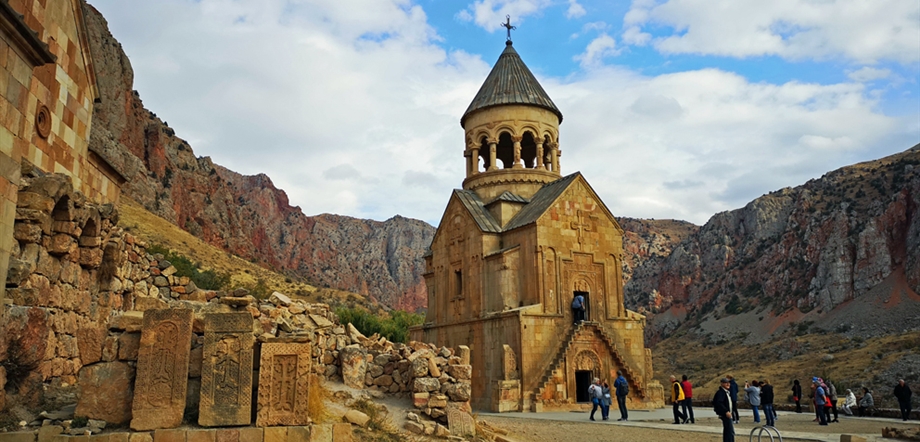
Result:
x=673 y=108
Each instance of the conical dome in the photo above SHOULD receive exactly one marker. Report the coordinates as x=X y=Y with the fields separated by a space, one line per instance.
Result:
x=510 y=82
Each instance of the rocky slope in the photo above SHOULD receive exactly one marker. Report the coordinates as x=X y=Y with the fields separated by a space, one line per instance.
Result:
x=245 y=215
x=801 y=254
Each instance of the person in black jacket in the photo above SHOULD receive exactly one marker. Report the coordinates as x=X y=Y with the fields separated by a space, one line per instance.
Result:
x=766 y=401
x=722 y=405
x=797 y=395
x=903 y=393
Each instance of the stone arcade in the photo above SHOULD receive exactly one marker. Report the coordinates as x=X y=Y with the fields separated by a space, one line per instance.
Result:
x=514 y=246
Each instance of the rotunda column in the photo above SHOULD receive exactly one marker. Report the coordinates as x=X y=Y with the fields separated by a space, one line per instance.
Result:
x=540 y=156
x=475 y=158
x=556 y=154
x=517 y=153
x=492 y=146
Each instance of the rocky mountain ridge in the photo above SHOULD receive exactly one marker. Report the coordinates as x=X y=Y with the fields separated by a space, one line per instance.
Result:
x=797 y=254
x=245 y=215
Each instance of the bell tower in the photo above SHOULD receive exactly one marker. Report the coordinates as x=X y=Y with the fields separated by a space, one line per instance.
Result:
x=512 y=133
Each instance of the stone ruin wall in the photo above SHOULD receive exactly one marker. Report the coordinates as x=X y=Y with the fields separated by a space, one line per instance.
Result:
x=72 y=322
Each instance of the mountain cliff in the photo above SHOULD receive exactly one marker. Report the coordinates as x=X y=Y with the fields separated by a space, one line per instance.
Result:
x=245 y=215
x=840 y=251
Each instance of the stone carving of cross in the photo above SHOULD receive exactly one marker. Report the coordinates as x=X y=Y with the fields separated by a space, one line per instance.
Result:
x=581 y=226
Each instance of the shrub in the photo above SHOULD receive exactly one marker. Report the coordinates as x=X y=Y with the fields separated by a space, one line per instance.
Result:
x=207 y=279
x=395 y=327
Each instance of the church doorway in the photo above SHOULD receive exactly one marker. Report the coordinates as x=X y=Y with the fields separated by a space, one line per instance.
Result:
x=582 y=382
x=587 y=304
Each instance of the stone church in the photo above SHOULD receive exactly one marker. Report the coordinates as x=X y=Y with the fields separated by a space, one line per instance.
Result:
x=514 y=246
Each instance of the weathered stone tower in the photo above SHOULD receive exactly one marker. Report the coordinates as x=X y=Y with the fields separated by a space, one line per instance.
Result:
x=513 y=248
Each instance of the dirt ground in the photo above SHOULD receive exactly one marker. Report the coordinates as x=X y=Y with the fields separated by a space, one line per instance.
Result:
x=523 y=429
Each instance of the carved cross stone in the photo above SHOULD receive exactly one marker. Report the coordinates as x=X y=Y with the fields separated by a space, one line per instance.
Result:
x=226 y=372
x=581 y=226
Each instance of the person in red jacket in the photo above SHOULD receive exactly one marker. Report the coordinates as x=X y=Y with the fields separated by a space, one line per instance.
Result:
x=687 y=406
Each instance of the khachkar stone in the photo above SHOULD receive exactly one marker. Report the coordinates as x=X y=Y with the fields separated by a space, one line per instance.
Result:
x=284 y=368
x=226 y=370
x=162 y=369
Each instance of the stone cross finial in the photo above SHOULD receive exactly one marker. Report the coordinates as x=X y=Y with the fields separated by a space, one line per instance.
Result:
x=508 y=26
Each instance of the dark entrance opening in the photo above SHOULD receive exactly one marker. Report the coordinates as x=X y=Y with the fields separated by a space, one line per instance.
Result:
x=587 y=304
x=582 y=382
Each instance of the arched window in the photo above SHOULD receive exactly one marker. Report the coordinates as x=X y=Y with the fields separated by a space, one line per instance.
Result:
x=529 y=150
x=483 y=153
x=504 y=152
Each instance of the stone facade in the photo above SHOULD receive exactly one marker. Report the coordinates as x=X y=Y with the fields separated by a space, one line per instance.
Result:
x=513 y=248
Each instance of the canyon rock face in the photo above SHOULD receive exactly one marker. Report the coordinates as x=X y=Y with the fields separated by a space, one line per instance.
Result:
x=797 y=253
x=245 y=215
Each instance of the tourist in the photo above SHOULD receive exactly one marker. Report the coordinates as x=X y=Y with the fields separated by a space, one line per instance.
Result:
x=723 y=406
x=832 y=396
x=903 y=393
x=752 y=389
x=677 y=398
x=820 y=401
x=733 y=391
x=797 y=395
x=622 y=390
x=605 y=400
x=849 y=403
x=578 y=308
x=766 y=401
x=865 y=402
x=827 y=399
x=687 y=406
x=595 y=392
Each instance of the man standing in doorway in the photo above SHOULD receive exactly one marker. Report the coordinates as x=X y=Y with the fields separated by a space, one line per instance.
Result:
x=722 y=405
x=622 y=390
x=578 y=308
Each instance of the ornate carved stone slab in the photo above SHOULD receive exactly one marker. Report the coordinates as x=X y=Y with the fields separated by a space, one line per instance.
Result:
x=459 y=422
x=162 y=369
x=226 y=370
x=284 y=369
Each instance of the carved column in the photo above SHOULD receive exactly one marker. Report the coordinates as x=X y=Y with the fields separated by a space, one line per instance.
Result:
x=492 y=159
x=556 y=155
x=475 y=158
x=540 y=156
x=517 y=153
x=467 y=157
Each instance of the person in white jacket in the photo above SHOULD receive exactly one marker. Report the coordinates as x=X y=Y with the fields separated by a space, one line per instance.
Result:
x=849 y=402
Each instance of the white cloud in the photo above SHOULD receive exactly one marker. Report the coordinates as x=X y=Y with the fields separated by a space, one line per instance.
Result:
x=858 y=30
x=490 y=14
x=867 y=73
x=575 y=10
x=354 y=109
x=601 y=47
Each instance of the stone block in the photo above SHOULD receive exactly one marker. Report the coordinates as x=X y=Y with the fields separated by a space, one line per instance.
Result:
x=356 y=417
x=226 y=370
x=420 y=399
x=303 y=434
x=283 y=384
x=162 y=369
x=226 y=435
x=90 y=241
x=851 y=438
x=47 y=432
x=132 y=321
x=144 y=436
x=342 y=433
x=18 y=436
x=61 y=244
x=106 y=392
x=169 y=435
x=437 y=401
x=425 y=384
x=462 y=372
x=105 y=437
x=118 y=437
x=90 y=257
x=194 y=364
x=145 y=303
x=319 y=433
x=414 y=427
x=27 y=233
x=251 y=434
x=460 y=423
x=128 y=344
x=459 y=392
x=354 y=366
x=201 y=436
x=274 y=434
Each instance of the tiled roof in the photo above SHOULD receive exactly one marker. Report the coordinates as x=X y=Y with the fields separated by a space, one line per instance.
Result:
x=540 y=202
x=472 y=203
x=510 y=82
x=510 y=197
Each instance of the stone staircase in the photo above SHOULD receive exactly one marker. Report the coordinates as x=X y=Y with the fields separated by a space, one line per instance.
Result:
x=634 y=380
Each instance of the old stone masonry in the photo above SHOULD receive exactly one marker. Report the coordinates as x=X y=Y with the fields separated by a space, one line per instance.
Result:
x=95 y=327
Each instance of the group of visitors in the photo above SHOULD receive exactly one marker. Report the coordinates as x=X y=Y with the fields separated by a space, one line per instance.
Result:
x=599 y=393
x=760 y=394
x=682 y=398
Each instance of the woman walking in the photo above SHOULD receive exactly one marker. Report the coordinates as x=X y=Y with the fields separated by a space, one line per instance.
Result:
x=797 y=395
x=605 y=401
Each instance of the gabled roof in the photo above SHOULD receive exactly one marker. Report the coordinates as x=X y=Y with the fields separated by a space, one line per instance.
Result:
x=474 y=205
x=510 y=82
x=510 y=197
x=542 y=200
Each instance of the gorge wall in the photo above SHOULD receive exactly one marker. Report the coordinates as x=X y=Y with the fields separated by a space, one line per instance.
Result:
x=798 y=254
x=245 y=215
